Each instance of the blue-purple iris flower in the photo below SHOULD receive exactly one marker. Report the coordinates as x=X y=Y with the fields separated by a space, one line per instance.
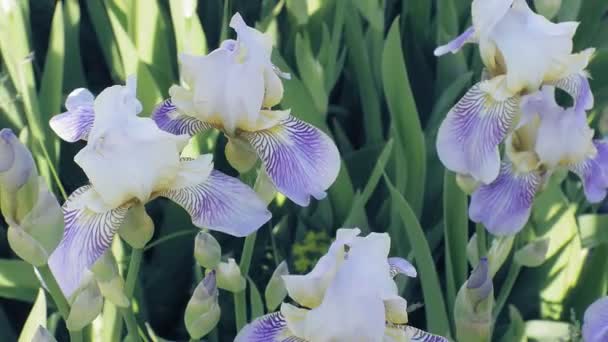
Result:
x=595 y=321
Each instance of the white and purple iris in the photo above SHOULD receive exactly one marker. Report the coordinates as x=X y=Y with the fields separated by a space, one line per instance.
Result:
x=526 y=58
x=595 y=321
x=233 y=89
x=129 y=161
x=350 y=295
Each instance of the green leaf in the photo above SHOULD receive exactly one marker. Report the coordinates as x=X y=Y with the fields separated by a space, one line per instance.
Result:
x=450 y=66
x=311 y=72
x=405 y=116
x=74 y=75
x=548 y=331
x=105 y=36
x=17 y=280
x=435 y=309
x=36 y=318
x=516 y=330
x=255 y=299
x=189 y=34
x=592 y=229
x=299 y=10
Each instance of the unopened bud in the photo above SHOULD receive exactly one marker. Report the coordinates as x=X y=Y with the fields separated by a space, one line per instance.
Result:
x=498 y=253
x=109 y=280
x=137 y=229
x=467 y=183
x=85 y=306
x=533 y=254
x=207 y=250
x=473 y=307
x=473 y=251
x=264 y=187
x=203 y=311
x=548 y=8
x=276 y=290
x=43 y=335
x=240 y=155
x=229 y=276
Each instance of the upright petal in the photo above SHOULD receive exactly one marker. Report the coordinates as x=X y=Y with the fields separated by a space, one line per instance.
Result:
x=216 y=201
x=269 y=328
x=75 y=124
x=170 y=119
x=487 y=13
x=457 y=43
x=504 y=205
x=577 y=85
x=300 y=159
x=89 y=230
x=594 y=172
x=468 y=138
x=595 y=322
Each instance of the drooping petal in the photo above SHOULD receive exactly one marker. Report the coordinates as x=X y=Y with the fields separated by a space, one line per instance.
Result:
x=215 y=200
x=595 y=322
x=577 y=85
x=504 y=205
x=468 y=138
x=89 y=230
x=75 y=124
x=457 y=43
x=268 y=328
x=406 y=333
x=300 y=159
x=170 y=119
x=402 y=266
x=594 y=172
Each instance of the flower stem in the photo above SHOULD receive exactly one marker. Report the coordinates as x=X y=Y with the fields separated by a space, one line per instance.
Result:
x=62 y=304
x=127 y=313
x=506 y=288
x=240 y=302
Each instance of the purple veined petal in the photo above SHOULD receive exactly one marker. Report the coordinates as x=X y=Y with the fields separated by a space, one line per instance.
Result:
x=577 y=85
x=75 y=124
x=468 y=36
x=401 y=266
x=595 y=321
x=170 y=119
x=300 y=159
x=594 y=172
x=268 y=328
x=414 y=334
x=504 y=205
x=86 y=237
x=222 y=203
x=468 y=138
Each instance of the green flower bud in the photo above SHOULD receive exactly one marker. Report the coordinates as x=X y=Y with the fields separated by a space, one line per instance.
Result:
x=240 y=155
x=43 y=335
x=473 y=307
x=85 y=306
x=137 y=229
x=207 y=250
x=472 y=251
x=16 y=162
x=548 y=8
x=264 y=187
x=499 y=251
x=203 y=311
x=229 y=277
x=467 y=183
x=276 y=290
x=533 y=254
x=109 y=280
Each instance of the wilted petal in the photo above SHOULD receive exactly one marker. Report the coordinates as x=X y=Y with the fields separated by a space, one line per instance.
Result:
x=594 y=172
x=577 y=85
x=455 y=45
x=468 y=138
x=300 y=159
x=88 y=233
x=75 y=124
x=402 y=266
x=269 y=328
x=504 y=205
x=170 y=119
x=215 y=200
x=595 y=322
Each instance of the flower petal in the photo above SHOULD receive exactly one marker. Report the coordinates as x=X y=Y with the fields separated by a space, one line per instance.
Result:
x=170 y=119
x=504 y=205
x=578 y=87
x=595 y=322
x=401 y=266
x=75 y=124
x=468 y=138
x=594 y=172
x=217 y=201
x=457 y=43
x=402 y=332
x=300 y=159
x=268 y=328
x=89 y=230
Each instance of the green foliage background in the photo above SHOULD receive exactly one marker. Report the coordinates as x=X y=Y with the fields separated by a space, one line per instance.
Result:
x=363 y=71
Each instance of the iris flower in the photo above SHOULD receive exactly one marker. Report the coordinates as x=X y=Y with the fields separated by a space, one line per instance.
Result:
x=233 y=89
x=595 y=321
x=350 y=295
x=129 y=161
x=521 y=51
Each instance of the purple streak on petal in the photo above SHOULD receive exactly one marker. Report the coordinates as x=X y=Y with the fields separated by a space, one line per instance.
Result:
x=578 y=87
x=86 y=237
x=457 y=43
x=468 y=138
x=595 y=322
x=76 y=123
x=416 y=335
x=169 y=119
x=268 y=328
x=402 y=266
x=594 y=172
x=300 y=159
x=222 y=203
x=504 y=205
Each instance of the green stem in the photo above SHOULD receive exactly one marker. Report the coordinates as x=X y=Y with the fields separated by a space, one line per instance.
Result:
x=506 y=288
x=240 y=302
x=482 y=246
x=171 y=237
x=62 y=304
x=127 y=313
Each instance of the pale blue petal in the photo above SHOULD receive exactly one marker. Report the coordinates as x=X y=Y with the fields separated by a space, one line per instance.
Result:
x=595 y=322
x=415 y=335
x=269 y=328
x=402 y=266
x=577 y=85
x=594 y=172
x=170 y=119
x=75 y=124
x=456 y=44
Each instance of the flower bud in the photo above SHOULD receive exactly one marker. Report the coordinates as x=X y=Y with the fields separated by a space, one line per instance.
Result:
x=264 y=187
x=240 y=156
x=85 y=306
x=207 y=250
x=229 y=276
x=548 y=8
x=43 y=335
x=533 y=254
x=472 y=251
x=473 y=307
x=138 y=228
x=467 y=183
x=276 y=290
x=203 y=311
x=499 y=251
x=109 y=280
x=16 y=162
